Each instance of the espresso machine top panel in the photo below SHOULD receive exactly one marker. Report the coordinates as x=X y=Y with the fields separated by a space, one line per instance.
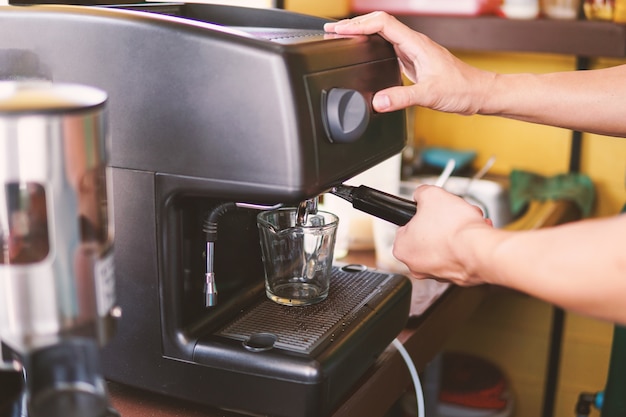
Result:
x=251 y=102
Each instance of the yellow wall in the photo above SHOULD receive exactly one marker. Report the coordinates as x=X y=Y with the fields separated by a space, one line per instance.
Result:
x=516 y=144
x=323 y=8
x=513 y=329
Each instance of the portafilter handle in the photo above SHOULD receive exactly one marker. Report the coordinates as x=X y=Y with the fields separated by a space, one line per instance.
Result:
x=385 y=206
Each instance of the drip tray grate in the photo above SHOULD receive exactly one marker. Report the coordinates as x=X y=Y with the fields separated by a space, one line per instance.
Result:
x=302 y=329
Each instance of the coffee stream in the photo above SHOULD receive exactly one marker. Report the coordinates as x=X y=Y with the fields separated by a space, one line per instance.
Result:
x=304 y=209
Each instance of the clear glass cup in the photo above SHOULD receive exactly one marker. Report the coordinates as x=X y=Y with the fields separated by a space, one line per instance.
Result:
x=297 y=258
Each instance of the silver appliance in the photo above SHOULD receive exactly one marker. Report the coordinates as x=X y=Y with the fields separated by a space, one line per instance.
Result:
x=57 y=284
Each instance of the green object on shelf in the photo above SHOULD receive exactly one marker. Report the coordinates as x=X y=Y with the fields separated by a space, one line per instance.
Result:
x=526 y=186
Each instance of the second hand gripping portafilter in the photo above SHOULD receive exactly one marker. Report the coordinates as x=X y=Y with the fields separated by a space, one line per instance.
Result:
x=385 y=206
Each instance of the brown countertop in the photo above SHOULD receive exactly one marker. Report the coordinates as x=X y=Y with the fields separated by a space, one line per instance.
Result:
x=379 y=388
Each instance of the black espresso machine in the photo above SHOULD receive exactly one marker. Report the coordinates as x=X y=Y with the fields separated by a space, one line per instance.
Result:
x=210 y=105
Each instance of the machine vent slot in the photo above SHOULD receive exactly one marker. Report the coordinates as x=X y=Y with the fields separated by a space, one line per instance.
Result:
x=284 y=36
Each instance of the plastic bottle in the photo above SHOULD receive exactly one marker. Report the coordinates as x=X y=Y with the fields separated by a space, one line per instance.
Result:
x=560 y=9
x=599 y=9
x=520 y=9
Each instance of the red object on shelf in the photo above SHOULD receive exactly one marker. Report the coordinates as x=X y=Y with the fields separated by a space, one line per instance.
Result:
x=472 y=382
x=429 y=7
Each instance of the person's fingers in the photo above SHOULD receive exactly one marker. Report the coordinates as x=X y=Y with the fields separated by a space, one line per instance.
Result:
x=394 y=98
x=420 y=189
x=355 y=25
x=376 y=22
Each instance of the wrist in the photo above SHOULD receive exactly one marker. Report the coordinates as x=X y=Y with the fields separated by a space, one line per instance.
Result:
x=478 y=258
x=489 y=93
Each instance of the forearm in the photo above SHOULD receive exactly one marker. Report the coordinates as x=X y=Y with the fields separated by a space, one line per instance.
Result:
x=579 y=266
x=590 y=101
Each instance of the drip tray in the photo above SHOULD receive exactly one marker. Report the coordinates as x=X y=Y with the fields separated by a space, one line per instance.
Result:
x=314 y=353
x=303 y=329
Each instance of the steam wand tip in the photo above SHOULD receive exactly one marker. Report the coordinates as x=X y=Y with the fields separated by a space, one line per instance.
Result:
x=210 y=291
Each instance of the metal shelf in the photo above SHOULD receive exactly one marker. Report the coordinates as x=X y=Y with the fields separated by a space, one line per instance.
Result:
x=581 y=38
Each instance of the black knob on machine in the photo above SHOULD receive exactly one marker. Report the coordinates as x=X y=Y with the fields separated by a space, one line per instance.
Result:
x=345 y=113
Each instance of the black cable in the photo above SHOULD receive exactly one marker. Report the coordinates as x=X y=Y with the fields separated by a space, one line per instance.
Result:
x=585 y=401
x=554 y=361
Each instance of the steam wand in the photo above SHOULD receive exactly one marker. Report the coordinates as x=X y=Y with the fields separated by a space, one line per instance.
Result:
x=210 y=230
x=385 y=206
